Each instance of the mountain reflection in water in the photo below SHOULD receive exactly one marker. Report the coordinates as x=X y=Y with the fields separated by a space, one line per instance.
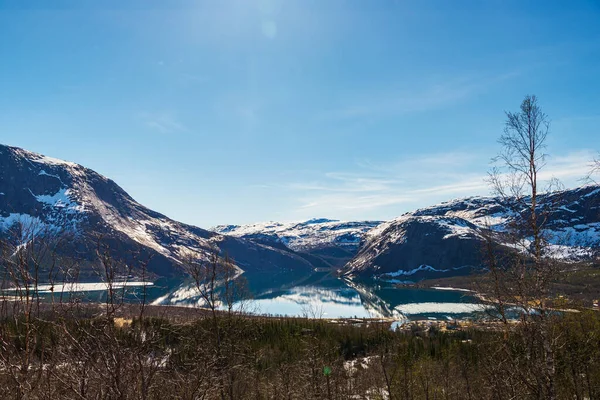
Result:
x=324 y=295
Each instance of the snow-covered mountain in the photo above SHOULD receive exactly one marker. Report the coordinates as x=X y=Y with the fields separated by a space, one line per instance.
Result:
x=49 y=195
x=46 y=194
x=305 y=236
x=447 y=238
x=336 y=242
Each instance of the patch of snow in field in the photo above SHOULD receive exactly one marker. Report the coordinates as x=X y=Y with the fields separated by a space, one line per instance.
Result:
x=351 y=366
x=441 y=308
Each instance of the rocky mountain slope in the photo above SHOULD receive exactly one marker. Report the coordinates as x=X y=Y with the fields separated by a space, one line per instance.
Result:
x=52 y=196
x=447 y=238
x=333 y=241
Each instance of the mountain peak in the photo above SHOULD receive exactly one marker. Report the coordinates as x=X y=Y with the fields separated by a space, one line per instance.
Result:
x=448 y=237
x=61 y=195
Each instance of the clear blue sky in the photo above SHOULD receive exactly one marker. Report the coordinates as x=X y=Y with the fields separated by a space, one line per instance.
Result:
x=219 y=112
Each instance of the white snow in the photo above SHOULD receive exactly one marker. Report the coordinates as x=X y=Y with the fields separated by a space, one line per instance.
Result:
x=43 y=172
x=351 y=366
x=440 y=308
x=60 y=199
x=52 y=161
x=569 y=238
x=307 y=235
x=30 y=225
x=89 y=286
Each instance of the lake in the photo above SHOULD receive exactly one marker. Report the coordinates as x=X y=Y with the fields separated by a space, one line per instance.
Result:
x=318 y=295
x=324 y=295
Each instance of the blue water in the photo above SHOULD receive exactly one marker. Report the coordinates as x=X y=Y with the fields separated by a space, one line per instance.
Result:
x=323 y=295
x=316 y=295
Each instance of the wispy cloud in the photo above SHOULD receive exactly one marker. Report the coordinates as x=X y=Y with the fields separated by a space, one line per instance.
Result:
x=429 y=95
x=164 y=122
x=378 y=190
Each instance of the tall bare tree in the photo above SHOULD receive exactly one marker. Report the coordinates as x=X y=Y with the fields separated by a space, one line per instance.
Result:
x=523 y=276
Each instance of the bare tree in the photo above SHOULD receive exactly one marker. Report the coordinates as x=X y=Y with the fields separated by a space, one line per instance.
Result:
x=594 y=170
x=523 y=276
x=30 y=266
x=221 y=290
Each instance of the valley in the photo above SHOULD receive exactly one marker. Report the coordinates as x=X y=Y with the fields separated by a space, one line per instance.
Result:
x=345 y=269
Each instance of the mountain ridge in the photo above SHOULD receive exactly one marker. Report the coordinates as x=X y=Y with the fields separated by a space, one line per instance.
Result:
x=55 y=194
x=448 y=237
x=333 y=241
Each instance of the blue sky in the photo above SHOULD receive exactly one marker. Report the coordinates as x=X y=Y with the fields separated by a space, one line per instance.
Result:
x=218 y=112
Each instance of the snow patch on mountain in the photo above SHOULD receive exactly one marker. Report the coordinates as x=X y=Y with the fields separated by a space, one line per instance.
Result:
x=452 y=232
x=303 y=236
x=25 y=220
x=61 y=199
x=74 y=193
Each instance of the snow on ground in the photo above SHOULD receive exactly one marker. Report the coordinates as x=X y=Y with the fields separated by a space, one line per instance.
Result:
x=351 y=366
x=439 y=308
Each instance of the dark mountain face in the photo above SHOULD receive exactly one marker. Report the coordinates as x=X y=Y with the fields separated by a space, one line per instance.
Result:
x=448 y=238
x=58 y=197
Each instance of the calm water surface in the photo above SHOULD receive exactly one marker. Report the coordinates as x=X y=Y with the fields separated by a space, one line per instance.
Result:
x=324 y=295
x=319 y=294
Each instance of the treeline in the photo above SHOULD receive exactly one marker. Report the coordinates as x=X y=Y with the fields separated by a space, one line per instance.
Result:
x=60 y=355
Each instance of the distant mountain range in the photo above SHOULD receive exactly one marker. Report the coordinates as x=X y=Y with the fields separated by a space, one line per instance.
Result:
x=336 y=242
x=444 y=239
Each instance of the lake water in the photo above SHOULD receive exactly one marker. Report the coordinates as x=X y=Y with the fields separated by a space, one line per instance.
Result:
x=324 y=295
x=318 y=295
